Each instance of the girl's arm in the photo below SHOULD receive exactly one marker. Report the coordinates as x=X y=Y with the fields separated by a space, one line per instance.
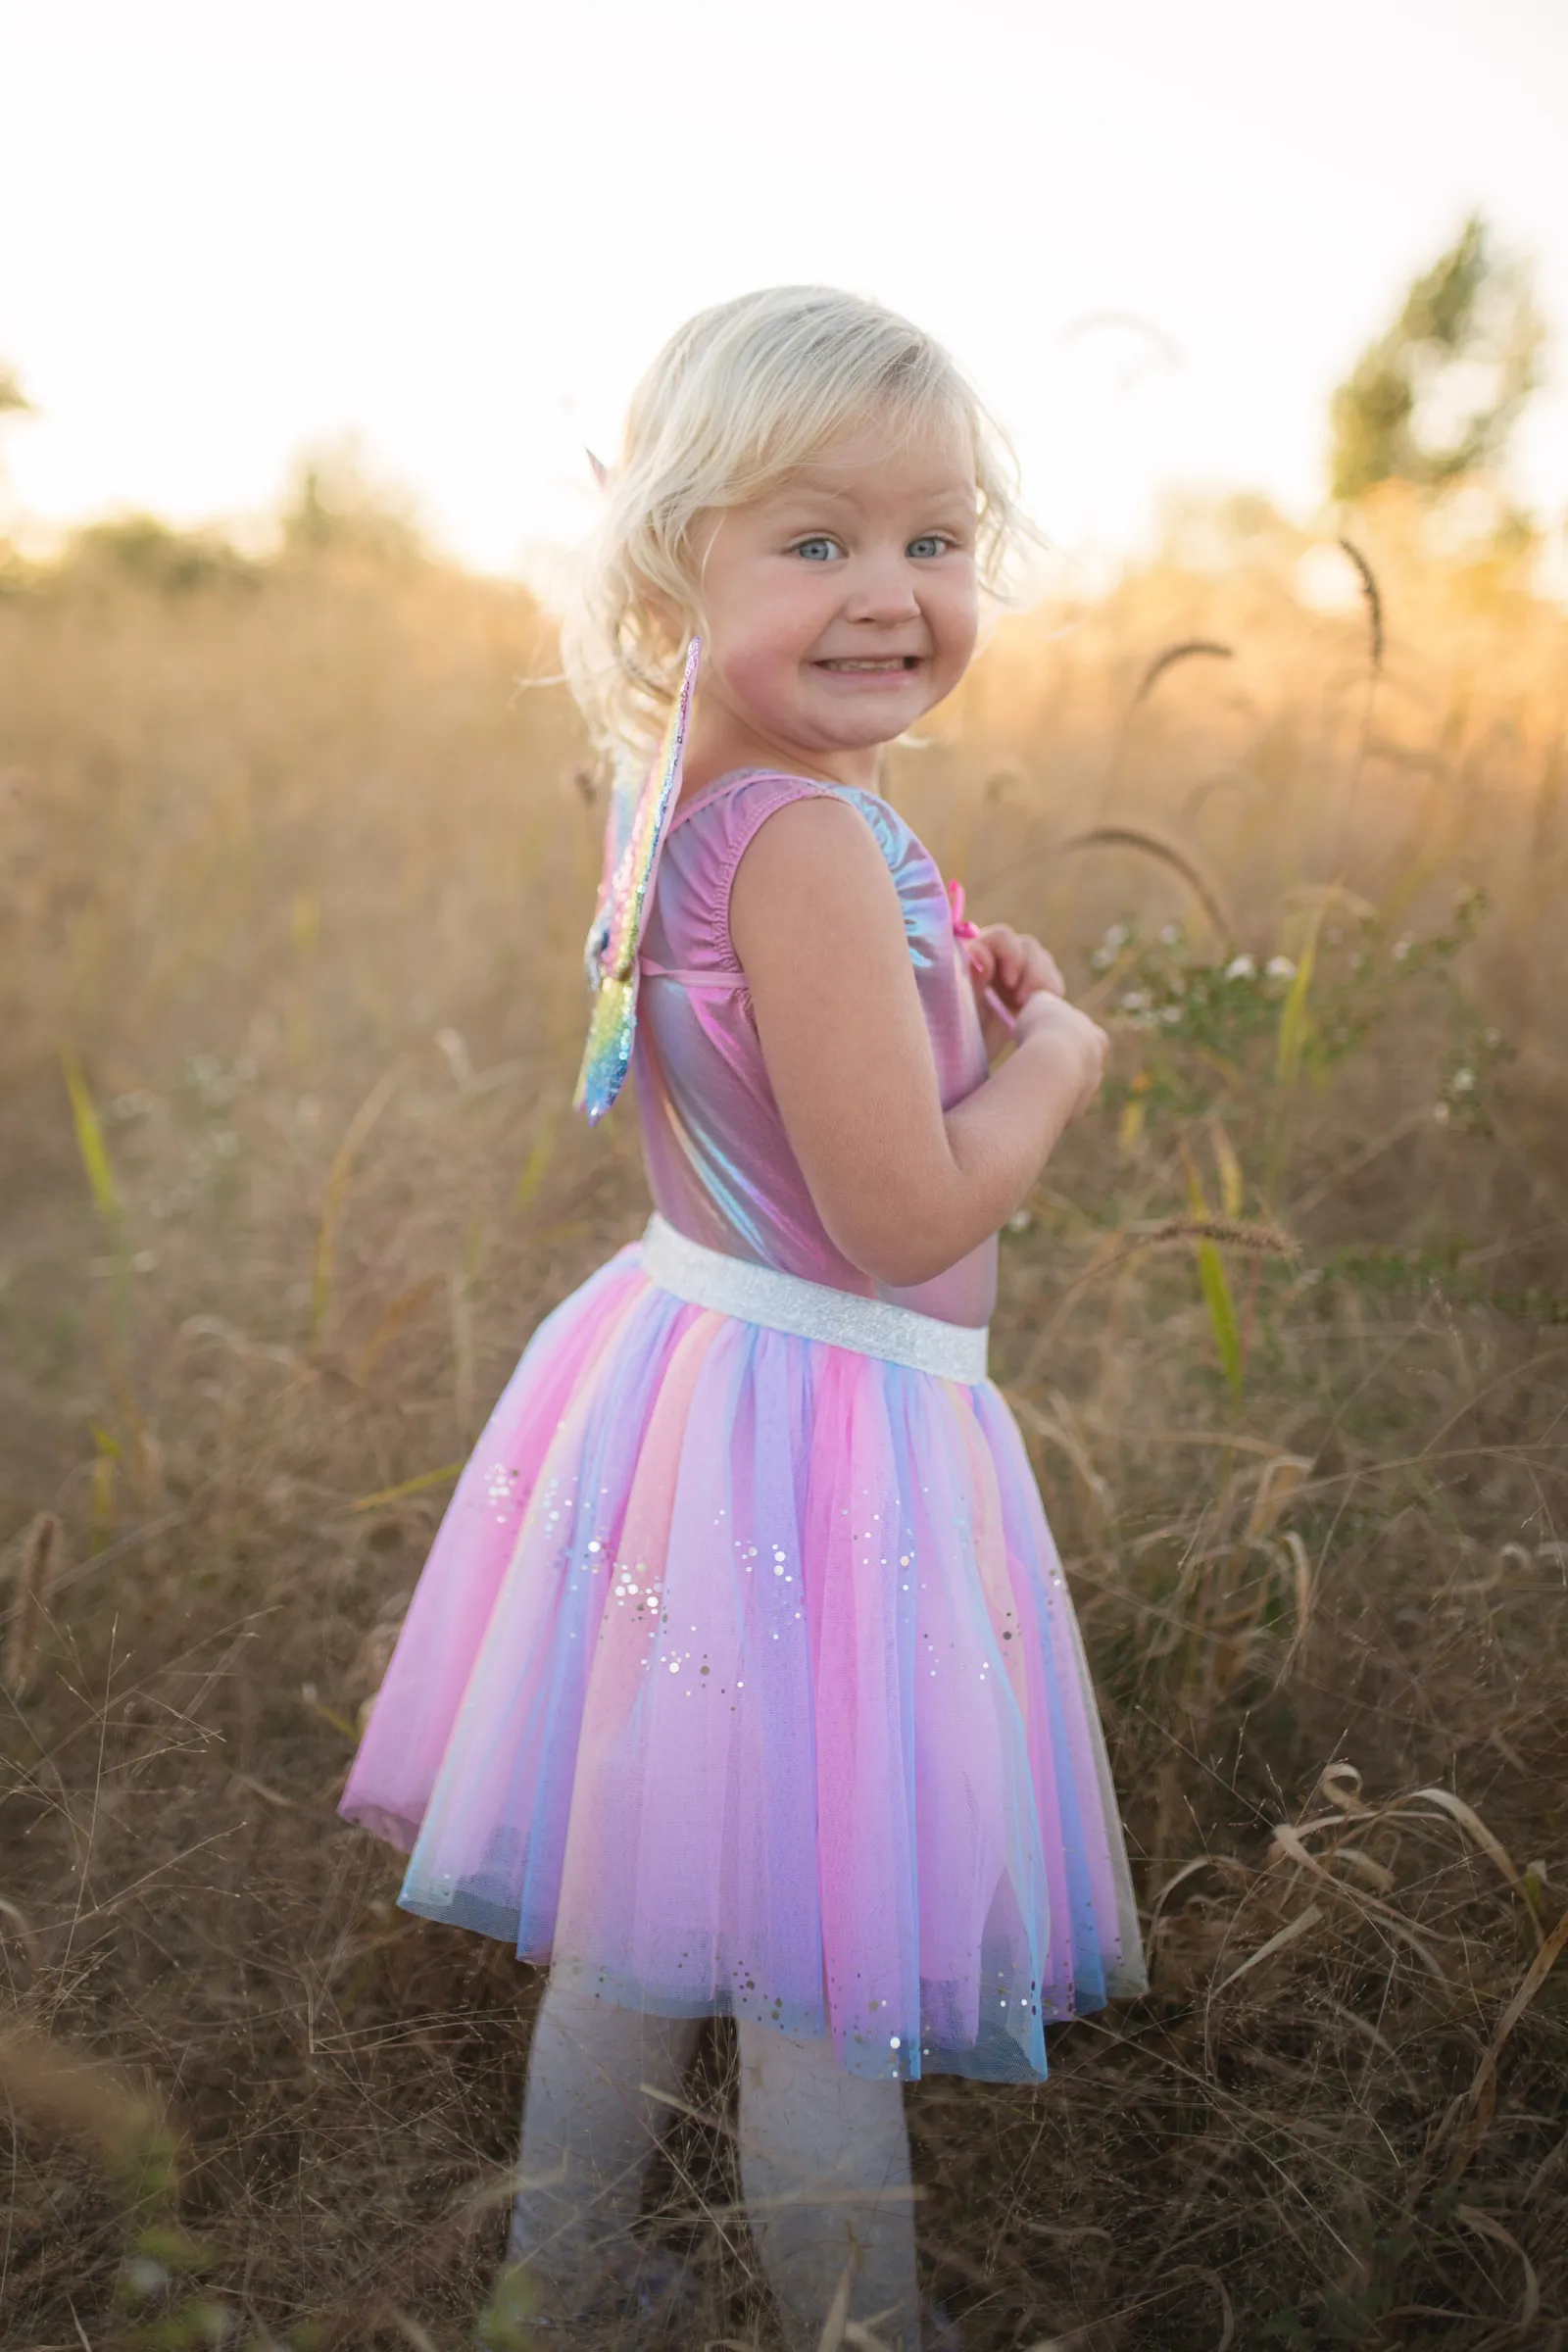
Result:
x=904 y=1188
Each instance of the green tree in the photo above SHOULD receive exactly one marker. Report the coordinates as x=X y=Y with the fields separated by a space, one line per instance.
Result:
x=1437 y=395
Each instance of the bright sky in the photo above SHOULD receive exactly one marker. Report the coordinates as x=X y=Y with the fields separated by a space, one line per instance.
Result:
x=462 y=226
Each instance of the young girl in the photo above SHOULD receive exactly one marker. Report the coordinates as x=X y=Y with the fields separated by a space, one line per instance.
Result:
x=742 y=1679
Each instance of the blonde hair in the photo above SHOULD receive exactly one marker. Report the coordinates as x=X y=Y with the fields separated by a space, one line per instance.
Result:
x=739 y=397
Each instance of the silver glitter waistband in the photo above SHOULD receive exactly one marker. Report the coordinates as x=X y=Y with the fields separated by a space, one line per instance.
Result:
x=811 y=1310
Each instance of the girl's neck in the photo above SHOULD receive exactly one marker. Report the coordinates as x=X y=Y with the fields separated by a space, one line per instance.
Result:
x=719 y=742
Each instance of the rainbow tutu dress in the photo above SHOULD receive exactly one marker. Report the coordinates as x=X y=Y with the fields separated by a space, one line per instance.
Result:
x=742 y=1676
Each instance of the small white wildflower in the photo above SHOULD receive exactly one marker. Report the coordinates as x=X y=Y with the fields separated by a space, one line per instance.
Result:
x=1439 y=1111
x=1101 y=960
x=1462 y=1082
x=1134 y=999
x=1171 y=935
x=1494 y=1037
x=1241 y=967
x=1117 y=936
x=1402 y=946
x=1019 y=1221
x=1170 y=1013
x=1280 y=968
x=141 y=2275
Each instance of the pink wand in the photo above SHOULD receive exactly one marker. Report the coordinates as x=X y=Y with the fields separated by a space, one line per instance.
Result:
x=963 y=929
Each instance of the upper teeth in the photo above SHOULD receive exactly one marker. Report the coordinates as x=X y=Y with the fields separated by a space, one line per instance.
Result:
x=894 y=661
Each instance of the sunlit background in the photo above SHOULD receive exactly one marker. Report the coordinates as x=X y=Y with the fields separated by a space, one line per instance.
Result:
x=308 y=309
x=1157 y=236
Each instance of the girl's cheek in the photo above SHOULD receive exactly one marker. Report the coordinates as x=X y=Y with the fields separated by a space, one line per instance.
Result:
x=963 y=628
x=758 y=673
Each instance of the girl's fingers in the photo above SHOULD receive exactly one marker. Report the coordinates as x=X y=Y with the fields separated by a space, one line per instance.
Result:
x=1019 y=966
x=1037 y=971
x=1010 y=963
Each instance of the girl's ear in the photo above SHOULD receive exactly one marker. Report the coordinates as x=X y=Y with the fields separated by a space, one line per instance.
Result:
x=599 y=469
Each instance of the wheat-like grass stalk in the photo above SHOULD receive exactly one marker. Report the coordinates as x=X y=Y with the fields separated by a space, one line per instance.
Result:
x=37 y=1567
x=1373 y=596
x=1190 y=649
x=1260 y=1239
x=335 y=1189
x=1153 y=845
x=1230 y=1233
x=1170 y=656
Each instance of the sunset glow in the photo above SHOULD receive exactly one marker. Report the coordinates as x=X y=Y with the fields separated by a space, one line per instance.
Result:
x=1156 y=238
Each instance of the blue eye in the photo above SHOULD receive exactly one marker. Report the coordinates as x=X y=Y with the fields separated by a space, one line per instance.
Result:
x=931 y=543
x=820 y=550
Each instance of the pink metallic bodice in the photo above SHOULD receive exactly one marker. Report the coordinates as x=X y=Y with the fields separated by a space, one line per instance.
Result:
x=719 y=1164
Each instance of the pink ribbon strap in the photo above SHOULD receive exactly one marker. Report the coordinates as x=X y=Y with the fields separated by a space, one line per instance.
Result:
x=963 y=929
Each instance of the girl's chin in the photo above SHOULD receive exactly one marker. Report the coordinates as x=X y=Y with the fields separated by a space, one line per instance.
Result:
x=818 y=723
x=867 y=708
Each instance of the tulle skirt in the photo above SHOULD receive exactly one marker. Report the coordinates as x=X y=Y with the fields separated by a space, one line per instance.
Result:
x=742 y=1679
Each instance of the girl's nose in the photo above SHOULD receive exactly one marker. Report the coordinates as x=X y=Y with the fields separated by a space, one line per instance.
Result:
x=882 y=589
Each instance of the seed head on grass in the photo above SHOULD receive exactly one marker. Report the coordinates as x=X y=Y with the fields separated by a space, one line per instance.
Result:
x=1374 y=602
x=1229 y=1233
x=1190 y=649
x=37 y=1568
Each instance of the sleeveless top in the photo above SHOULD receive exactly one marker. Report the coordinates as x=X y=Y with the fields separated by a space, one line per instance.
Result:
x=719 y=1164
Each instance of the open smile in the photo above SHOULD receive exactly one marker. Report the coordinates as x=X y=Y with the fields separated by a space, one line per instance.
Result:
x=889 y=666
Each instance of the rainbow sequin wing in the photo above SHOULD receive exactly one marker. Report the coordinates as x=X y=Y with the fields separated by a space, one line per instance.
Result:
x=639 y=819
x=624 y=792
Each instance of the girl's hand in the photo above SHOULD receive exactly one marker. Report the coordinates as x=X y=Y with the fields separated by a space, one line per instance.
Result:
x=1016 y=967
x=1070 y=1033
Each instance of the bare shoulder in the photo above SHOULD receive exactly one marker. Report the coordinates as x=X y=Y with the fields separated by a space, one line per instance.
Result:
x=816 y=830
x=813 y=866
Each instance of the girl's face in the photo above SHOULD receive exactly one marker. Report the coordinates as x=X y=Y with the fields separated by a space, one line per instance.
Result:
x=843 y=605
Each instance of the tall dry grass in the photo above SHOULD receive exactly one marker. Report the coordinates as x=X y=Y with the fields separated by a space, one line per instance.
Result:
x=295 y=874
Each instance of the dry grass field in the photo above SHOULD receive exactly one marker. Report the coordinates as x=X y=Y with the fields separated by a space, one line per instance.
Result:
x=294 y=872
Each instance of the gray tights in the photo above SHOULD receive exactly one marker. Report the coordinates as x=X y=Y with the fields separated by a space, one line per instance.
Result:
x=824 y=2163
